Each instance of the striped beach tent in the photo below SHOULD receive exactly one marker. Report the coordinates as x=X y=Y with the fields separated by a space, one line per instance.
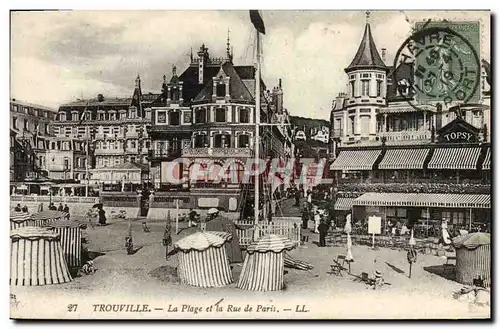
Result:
x=36 y=257
x=71 y=240
x=20 y=219
x=263 y=268
x=203 y=260
x=473 y=258
x=43 y=217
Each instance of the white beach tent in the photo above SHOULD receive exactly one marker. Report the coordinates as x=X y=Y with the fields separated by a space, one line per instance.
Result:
x=263 y=269
x=36 y=257
x=203 y=260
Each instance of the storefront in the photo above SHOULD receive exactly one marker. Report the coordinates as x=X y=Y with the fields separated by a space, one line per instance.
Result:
x=463 y=211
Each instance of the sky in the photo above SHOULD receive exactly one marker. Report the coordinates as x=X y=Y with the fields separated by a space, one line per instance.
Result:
x=57 y=57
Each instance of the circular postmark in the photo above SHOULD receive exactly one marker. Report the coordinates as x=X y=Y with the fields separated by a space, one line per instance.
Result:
x=441 y=66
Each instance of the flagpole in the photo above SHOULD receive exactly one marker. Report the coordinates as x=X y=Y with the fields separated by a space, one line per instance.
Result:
x=257 y=136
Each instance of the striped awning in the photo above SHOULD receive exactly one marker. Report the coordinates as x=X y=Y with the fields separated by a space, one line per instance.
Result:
x=404 y=159
x=455 y=158
x=355 y=160
x=424 y=200
x=344 y=204
x=487 y=160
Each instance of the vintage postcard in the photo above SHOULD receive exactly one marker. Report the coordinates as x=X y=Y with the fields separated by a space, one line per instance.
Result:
x=250 y=164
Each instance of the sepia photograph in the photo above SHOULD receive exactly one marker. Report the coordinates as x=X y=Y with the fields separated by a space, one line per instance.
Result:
x=250 y=164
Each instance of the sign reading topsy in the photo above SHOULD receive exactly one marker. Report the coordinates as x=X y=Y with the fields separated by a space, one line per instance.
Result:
x=446 y=63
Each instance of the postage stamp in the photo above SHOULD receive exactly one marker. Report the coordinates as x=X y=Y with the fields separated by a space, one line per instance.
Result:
x=447 y=67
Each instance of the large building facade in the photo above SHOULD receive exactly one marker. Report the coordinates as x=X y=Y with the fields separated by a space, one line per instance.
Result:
x=206 y=116
x=104 y=133
x=30 y=133
x=401 y=159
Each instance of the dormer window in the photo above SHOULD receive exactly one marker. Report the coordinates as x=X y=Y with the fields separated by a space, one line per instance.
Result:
x=174 y=118
x=221 y=90
x=62 y=116
x=351 y=84
x=220 y=114
x=175 y=94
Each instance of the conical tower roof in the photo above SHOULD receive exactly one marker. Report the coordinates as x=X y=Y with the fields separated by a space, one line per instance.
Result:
x=367 y=56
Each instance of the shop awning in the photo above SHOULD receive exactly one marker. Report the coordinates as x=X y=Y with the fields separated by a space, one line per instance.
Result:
x=355 y=160
x=424 y=200
x=487 y=160
x=404 y=159
x=455 y=158
x=344 y=204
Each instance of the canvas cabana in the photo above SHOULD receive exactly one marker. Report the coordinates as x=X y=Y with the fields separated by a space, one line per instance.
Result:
x=473 y=258
x=36 y=257
x=43 y=217
x=263 y=268
x=20 y=219
x=203 y=260
x=71 y=240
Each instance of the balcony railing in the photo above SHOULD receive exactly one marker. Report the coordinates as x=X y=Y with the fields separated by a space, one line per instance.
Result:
x=109 y=152
x=164 y=153
x=406 y=135
x=429 y=187
x=216 y=152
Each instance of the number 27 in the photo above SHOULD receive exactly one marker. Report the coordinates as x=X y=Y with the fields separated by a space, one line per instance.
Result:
x=72 y=307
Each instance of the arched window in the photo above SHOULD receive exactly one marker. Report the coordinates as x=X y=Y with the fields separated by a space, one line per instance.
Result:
x=236 y=173
x=200 y=141
x=222 y=140
x=215 y=173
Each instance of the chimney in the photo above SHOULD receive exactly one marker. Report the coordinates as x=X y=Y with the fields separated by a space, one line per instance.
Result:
x=439 y=115
x=279 y=83
x=202 y=55
x=384 y=55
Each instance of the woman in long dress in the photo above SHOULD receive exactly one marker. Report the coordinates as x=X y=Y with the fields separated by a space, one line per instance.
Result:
x=102 y=216
x=445 y=235
x=220 y=224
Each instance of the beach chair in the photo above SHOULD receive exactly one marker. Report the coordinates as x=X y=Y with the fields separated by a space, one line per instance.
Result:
x=364 y=278
x=338 y=265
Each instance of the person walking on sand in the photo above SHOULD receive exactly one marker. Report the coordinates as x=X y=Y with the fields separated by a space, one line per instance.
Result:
x=18 y=208
x=297 y=198
x=60 y=208
x=323 y=230
x=305 y=216
x=102 y=216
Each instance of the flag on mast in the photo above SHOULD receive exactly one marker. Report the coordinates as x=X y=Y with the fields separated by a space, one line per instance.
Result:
x=257 y=21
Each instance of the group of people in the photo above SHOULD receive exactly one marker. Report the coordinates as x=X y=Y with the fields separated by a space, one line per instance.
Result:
x=321 y=226
x=18 y=208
